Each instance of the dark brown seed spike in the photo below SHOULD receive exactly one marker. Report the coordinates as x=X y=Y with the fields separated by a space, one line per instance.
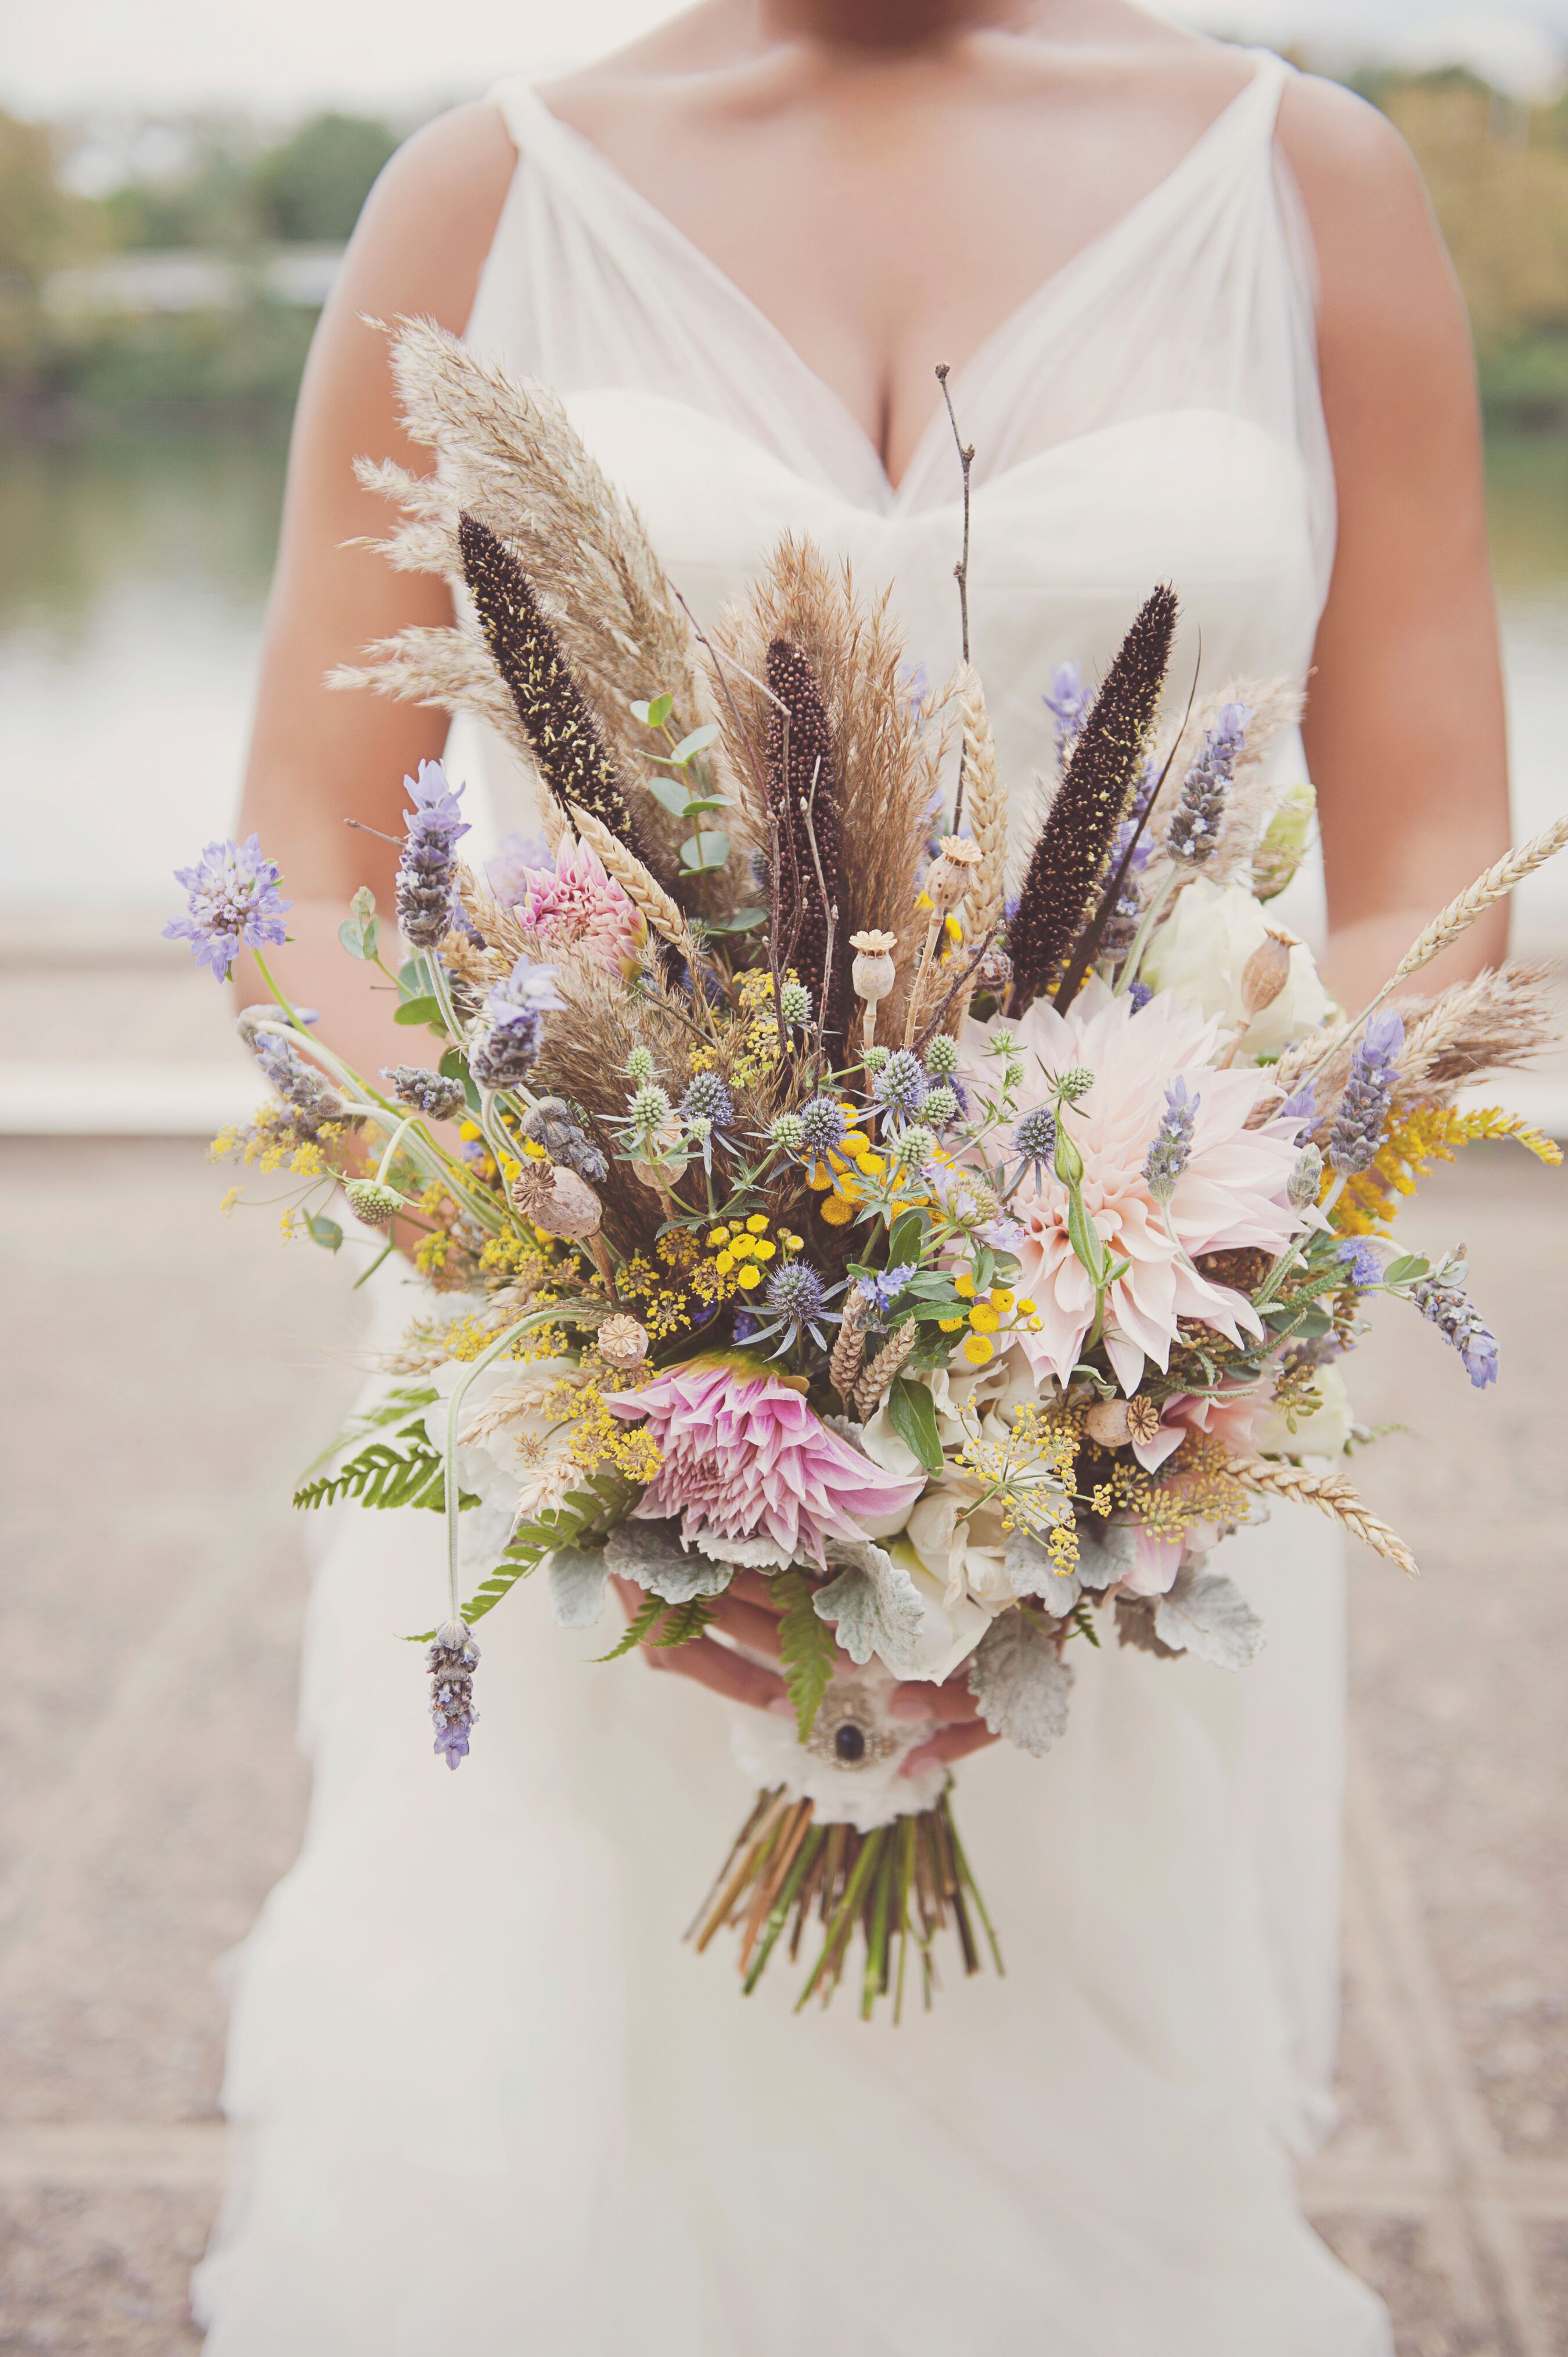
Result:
x=806 y=774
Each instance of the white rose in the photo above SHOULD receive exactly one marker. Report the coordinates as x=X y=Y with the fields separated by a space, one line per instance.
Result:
x=1325 y=1433
x=1199 y=953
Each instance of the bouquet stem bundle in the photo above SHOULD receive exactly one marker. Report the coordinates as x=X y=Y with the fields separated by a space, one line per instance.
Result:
x=898 y=1884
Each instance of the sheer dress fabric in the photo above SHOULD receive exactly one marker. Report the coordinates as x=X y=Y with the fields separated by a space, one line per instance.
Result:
x=483 y=2095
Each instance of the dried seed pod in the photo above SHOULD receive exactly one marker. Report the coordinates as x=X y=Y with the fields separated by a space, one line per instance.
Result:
x=874 y=974
x=557 y=1201
x=1265 y=974
x=623 y=1343
x=951 y=873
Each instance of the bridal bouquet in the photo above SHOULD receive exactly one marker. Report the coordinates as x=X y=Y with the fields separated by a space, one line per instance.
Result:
x=947 y=1231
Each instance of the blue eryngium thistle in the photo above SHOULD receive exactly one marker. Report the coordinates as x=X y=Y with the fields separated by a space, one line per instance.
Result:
x=795 y=1306
x=1034 y=1139
x=1173 y=1142
x=707 y=1099
x=451 y=1660
x=514 y=1019
x=1363 y=1114
x=231 y=902
x=1194 y=832
x=1444 y=1299
x=427 y=869
x=822 y=1125
x=901 y=1085
x=430 y=1093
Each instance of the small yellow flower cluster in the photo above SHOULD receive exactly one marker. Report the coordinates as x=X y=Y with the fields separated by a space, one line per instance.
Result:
x=598 y=1436
x=1415 y=1140
x=741 y=1254
x=665 y=1308
x=995 y=1312
x=758 y=1051
x=274 y=1138
x=1196 y=1485
x=1030 y=1475
x=431 y=1253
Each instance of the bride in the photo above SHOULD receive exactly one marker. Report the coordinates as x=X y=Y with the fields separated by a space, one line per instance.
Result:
x=1202 y=329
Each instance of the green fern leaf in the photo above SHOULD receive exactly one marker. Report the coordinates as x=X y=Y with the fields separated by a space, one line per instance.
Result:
x=806 y=1648
x=685 y=1624
x=638 y=1631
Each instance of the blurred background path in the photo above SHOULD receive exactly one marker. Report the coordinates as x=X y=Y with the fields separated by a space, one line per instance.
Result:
x=164 y=235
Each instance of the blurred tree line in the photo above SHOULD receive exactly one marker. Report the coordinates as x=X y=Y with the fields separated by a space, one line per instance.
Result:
x=1497 y=174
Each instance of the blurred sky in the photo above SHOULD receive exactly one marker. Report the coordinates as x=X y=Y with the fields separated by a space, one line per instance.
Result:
x=277 y=55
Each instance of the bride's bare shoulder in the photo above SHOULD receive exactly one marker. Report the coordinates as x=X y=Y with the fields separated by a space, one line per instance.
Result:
x=429 y=221
x=1378 y=243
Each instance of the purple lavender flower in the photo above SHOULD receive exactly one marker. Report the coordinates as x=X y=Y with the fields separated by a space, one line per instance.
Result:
x=430 y=1093
x=1194 y=832
x=425 y=872
x=451 y=1660
x=1068 y=704
x=514 y=1019
x=314 y=1099
x=1444 y=1299
x=233 y=902
x=1171 y=1143
x=1363 y=1114
x=1139 y=995
x=1301 y=1109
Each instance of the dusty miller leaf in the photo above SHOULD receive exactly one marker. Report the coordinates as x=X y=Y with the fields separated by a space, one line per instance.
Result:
x=1135 y=1627
x=1020 y=1683
x=651 y=1553
x=578 y=1577
x=805 y=1649
x=1032 y=1571
x=1103 y=1557
x=1207 y=1615
x=875 y=1605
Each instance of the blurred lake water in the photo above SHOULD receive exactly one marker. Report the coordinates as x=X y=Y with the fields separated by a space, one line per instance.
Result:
x=133 y=578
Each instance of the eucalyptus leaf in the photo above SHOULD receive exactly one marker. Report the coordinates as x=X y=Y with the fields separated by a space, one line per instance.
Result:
x=421 y=1010
x=697 y=742
x=653 y=711
x=324 y=1231
x=361 y=936
x=1021 y=1682
x=875 y=1606
x=1406 y=1269
x=741 y=923
x=578 y=1579
x=713 y=852
x=1207 y=1615
x=671 y=792
x=699 y=806
x=912 y=1413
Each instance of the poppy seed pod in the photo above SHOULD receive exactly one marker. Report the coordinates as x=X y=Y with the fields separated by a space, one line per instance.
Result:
x=873 y=974
x=1265 y=974
x=951 y=873
x=623 y=1343
x=557 y=1201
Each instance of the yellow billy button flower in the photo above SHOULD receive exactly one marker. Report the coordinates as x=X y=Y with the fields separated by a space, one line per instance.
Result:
x=837 y=1210
x=511 y=1169
x=855 y=1143
x=750 y=1277
x=953 y=929
x=1026 y=1309
x=820 y=1177
x=963 y=1283
x=870 y=1166
x=533 y=1150
x=1000 y=1297
x=791 y=1241
x=950 y=1325
x=724 y=1263
x=469 y=1130
x=763 y=1250
x=718 y=1236
x=757 y=1224
x=984 y=1319
x=743 y=1247
x=978 y=1348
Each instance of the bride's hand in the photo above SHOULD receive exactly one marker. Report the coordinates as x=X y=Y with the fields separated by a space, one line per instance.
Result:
x=747 y=1613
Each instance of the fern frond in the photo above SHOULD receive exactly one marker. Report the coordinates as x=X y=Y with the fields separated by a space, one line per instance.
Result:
x=686 y=1623
x=805 y=1647
x=638 y=1629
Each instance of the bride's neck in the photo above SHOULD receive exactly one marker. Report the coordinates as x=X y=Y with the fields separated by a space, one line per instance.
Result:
x=891 y=24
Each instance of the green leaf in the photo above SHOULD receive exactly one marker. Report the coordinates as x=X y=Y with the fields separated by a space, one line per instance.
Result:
x=649 y=1614
x=324 y=1231
x=699 y=806
x=806 y=1648
x=715 y=852
x=904 y=1243
x=685 y=1624
x=421 y=1010
x=654 y=711
x=1406 y=1270
x=741 y=923
x=913 y=1415
x=671 y=792
x=697 y=742
x=361 y=936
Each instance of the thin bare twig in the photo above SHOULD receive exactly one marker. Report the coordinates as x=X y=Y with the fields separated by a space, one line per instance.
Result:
x=960 y=570
x=962 y=982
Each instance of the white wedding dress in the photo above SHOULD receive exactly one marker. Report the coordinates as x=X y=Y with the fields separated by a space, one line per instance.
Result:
x=485 y=2099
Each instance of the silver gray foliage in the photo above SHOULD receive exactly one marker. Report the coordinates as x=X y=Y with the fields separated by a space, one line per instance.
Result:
x=578 y=1577
x=1021 y=1682
x=1107 y=1555
x=651 y=1553
x=873 y=1603
x=1032 y=1571
x=1207 y=1615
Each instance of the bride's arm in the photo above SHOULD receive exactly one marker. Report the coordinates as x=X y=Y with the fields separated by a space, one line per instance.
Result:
x=1406 y=731
x=319 y=757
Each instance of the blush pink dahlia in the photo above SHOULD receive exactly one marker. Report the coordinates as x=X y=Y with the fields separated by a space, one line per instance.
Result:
x=579 y=904
x=1229 y=1189
x=745 y=1459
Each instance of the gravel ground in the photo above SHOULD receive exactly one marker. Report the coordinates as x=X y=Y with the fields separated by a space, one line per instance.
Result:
x=165 y=1391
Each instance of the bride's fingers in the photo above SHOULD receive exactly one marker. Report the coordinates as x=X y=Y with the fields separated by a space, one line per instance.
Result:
x=753 y=1586
x=748 y=1624
x=949 y=1705
x=726 y=1674
x=949 y=1743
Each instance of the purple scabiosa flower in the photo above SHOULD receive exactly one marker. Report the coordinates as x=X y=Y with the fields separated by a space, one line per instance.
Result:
x=1068 y=703
x=451 y=1661
x=233 y=902
x=901 y=1085
x=1193 y=831
x=422 y=1091
x=1173 y=1142
x=514 y=1019
x=1363 y=1114
x=1139 y=995
x=1444 y=1299
x=1363 y=1263
x=424 y=877
x=881 y=1291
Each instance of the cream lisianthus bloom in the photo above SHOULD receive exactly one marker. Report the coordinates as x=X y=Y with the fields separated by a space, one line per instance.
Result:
x=1200 y=952
x=1326 y=1434
x=511 y=1452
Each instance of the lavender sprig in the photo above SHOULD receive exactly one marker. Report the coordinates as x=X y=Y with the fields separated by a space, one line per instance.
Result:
x=1167 y=1155
x=1362 y=1117
x=452 y=1660
x=1068 y=704
x=1444 y=1299
x=1193 y=831
x=426 y=872
x=503 y=1054
x=430 y=1094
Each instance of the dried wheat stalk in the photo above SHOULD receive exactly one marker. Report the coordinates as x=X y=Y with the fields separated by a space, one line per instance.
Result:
x=849 y=1350
x=1330 y=1496
x=1460 y=914
x=986 y=801
x=877 y=1378
x=642 y=889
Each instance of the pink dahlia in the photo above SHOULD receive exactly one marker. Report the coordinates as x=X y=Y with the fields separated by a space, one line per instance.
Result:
x=579 y=904
x=1231 y=1189
x=745 y=1459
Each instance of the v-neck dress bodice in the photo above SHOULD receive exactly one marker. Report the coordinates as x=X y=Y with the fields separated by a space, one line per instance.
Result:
x=484 y=2096
x=1150 y=412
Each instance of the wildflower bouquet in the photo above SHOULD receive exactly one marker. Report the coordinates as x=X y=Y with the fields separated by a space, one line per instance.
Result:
x=948 y=1240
